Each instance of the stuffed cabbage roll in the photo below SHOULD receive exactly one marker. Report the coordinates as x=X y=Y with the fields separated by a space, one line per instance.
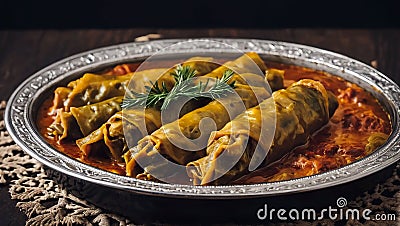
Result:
x=376 y=140
x=119 y=145
x=160 y=141
x=275 y=78
x=93 y=88
x=124 y=127
x=64 y=126
x=60 y=95
x=90 y=117
x=81 y=121
x=246 y=66
x=110 y=141
x=298 y=111
x=249 y=62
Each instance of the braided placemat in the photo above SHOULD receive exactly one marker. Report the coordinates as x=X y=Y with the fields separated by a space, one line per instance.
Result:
x=46 y=203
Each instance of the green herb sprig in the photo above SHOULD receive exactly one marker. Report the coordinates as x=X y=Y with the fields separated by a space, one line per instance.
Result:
x=152 y=97
x=182 y=88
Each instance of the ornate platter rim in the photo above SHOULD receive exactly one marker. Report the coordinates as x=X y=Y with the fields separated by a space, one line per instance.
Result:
x=21 y=126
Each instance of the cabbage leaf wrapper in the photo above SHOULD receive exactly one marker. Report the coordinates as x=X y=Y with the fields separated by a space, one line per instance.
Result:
x=299 y=111
x=109 y=141
x=81 y=121
x=159 y=142
x=91 y=100
x=110 y=136
x=93 y=88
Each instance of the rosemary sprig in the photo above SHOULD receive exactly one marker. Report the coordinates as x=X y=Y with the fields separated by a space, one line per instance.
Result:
x=221 y=87
x=152 y=97
x=183 y=88
x=183 y=73
x=186 y=89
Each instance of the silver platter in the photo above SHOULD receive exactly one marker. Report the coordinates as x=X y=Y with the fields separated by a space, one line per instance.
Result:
x=20 y=115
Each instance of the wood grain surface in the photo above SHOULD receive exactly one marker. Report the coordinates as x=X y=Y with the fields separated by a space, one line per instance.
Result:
x=23 y=52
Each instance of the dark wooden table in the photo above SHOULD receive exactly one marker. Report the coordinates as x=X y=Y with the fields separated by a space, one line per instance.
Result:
x=23 y=52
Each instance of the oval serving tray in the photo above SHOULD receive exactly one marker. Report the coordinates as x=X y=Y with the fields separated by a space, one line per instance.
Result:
x=25 y=101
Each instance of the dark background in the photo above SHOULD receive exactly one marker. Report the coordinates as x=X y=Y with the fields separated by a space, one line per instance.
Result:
x=199 y=14
x=34 y=34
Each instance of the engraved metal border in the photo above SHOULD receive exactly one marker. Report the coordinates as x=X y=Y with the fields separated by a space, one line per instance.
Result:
x=20 y=124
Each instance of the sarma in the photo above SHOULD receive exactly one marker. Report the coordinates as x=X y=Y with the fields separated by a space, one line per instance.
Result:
x=83 y=120
x=93 y=88
x=185 y=129
x=110 y=141
x=246 y=66
x=375 y=140
x=119 y=144
x=123 y=128
x=200 y=143
x=64 y=126
x=60 y=96
x=91 y=117
x=298 y=111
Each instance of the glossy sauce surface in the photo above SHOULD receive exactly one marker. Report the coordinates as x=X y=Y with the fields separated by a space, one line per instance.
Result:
x=339 y=143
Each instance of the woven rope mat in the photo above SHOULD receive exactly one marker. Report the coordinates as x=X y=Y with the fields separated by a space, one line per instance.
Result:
x=46 y=203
